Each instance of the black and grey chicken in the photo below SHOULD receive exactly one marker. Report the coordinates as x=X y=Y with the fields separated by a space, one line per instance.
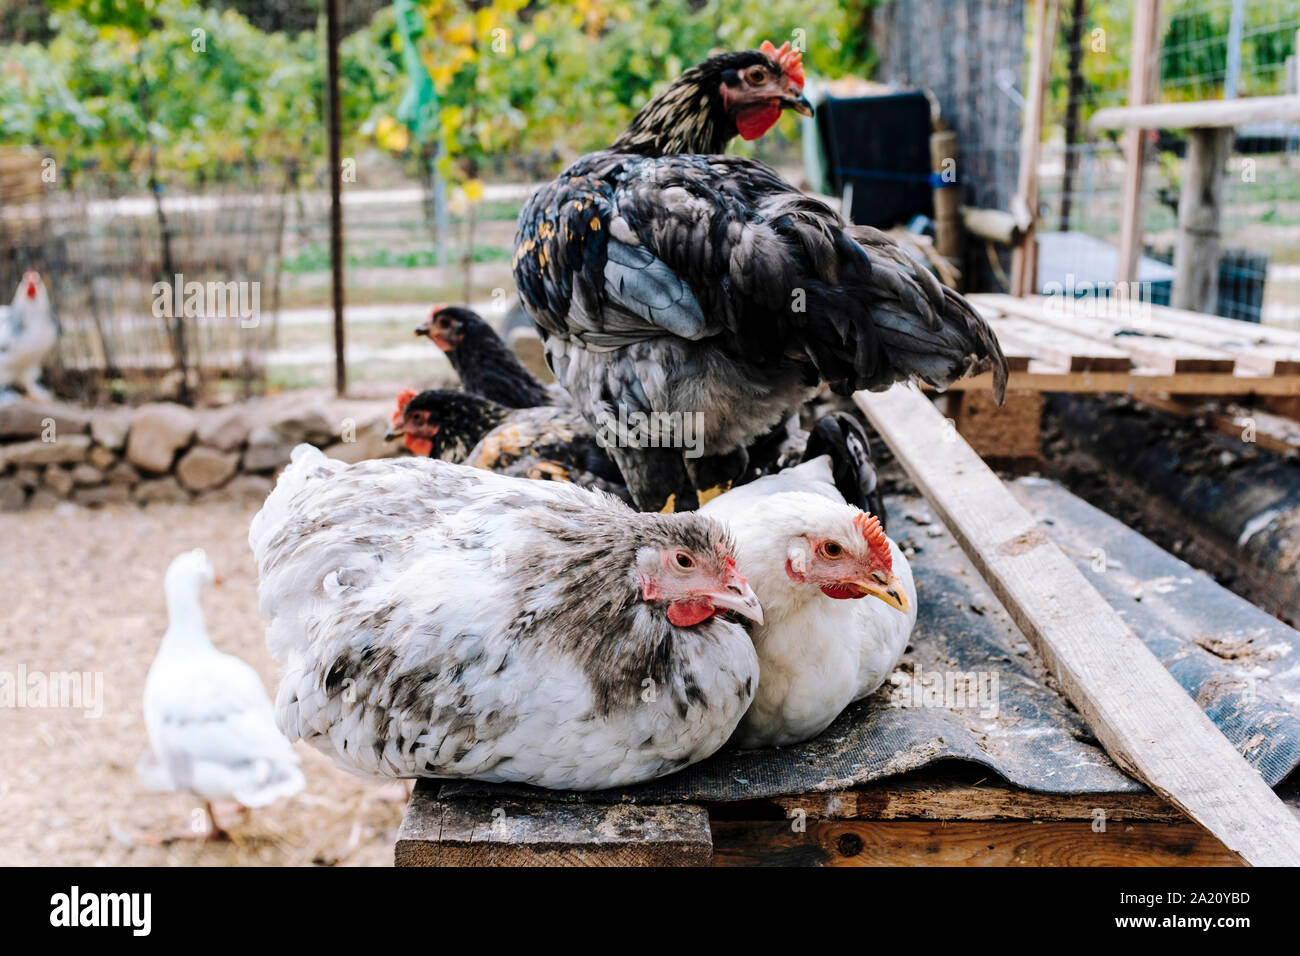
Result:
x=689 y=289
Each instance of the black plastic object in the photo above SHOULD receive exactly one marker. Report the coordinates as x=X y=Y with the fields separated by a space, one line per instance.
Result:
x=881 y=145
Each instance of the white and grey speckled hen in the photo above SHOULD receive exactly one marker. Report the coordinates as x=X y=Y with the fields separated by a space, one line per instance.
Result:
x=211 y=727
x=435 y=620
x=812 y=558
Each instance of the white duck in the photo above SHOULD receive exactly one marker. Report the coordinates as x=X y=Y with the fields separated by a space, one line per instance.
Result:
x=810 y=558
x=210 y=722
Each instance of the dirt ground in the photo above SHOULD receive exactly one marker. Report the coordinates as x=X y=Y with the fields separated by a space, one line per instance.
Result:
x=83 y=592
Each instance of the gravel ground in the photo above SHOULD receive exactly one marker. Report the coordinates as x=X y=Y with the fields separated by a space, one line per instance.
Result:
x=84 y=594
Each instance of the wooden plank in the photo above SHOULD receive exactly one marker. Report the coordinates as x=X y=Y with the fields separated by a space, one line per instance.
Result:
x=1253 y=332
x=1264 y=358
x=508 y=832
x=1140 y=714
x=1272 y=432
x=1143 y=56
x=1202 y=114
x=926 y=843
x=1066 y=350
x=1165 y=355
x=1139 y=380
x=1017 y=355
x=1024 y=258
x=1249 y=345
x=992 y=800
x=1196 y=253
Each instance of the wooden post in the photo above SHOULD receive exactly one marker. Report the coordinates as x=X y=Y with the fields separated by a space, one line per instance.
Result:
x=1196 y=256
x=1140 y=714
x=336 y=188
x=1024 y=260
x=1141 y=83
x=947 y=197
x=1074 y=92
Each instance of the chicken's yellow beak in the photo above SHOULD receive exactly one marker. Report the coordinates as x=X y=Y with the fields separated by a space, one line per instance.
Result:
x=889 y=590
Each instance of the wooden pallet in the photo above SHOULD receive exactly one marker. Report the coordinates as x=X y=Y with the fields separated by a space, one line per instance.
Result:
x=1153 y=352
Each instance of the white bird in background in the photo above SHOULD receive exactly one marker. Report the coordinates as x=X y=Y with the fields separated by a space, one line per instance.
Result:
x=210 y=722
x=810 y=558
x=27 y=333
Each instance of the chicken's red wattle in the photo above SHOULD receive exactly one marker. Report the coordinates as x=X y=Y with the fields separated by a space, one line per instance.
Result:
x=755 y=120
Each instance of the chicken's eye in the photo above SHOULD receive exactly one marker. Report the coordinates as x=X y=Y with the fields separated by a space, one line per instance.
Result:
x=684 y=560
x=831 y=549
x=757 y=76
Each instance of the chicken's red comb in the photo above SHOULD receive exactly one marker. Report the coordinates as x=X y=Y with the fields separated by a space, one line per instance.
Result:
x=437 y=307
x=404 y=398
x=790 y=61
x=874 y=534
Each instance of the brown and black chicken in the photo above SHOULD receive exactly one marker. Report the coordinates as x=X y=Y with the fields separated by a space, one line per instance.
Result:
x=670 y=284
x=546 y=442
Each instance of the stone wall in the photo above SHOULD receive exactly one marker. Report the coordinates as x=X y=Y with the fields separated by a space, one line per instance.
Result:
x=53 y=453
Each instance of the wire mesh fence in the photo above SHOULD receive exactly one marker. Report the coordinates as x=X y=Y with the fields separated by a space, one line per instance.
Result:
x=1209 y=50
x=154 y=296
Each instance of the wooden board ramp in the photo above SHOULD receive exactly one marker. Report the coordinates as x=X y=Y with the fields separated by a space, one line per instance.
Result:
x=1139 y=713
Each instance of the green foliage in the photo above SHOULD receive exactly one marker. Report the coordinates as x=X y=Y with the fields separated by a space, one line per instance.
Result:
x=563 y=78
x=216 y=99
x=211 y=95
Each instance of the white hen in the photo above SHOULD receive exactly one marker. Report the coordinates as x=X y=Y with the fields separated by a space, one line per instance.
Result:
x=809 y=555
x=436 y=620
x=210 y=722
x=27 y=333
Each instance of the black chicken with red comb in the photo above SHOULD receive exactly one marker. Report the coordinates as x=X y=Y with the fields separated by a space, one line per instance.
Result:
x=675 y=285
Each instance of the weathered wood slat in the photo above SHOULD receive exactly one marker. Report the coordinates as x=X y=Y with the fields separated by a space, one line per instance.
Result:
x=1166 y=355
x=1024 y=258
x=1261 y=349
x=991 y=800
x=1043 y=379
x=1253 y=332
x=1204 y=113
x=1272 y=432
x=481 y=832
x=1140 y=714
x=1067 y=351
x=926 y=843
